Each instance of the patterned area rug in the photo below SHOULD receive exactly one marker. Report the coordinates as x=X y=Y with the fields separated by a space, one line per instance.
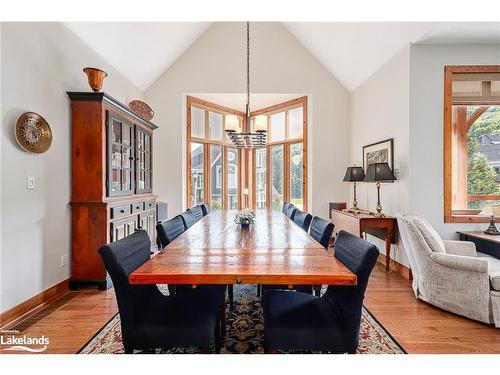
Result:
x=245 y=331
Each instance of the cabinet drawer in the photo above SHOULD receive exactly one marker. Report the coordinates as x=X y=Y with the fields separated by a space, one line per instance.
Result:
x=120 y=211
x=137 y=207
x=150 y=205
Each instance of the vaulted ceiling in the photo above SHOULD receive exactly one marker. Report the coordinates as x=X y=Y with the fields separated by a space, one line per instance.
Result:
x=352 y=51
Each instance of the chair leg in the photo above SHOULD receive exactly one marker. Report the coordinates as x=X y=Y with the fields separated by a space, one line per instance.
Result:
x=218 y=343
x=230 y=295
x=259 y=287
x=223 y=318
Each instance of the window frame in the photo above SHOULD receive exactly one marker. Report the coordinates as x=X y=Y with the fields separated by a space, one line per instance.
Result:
x=224 y=143
x=269 y=111
x=462 y=215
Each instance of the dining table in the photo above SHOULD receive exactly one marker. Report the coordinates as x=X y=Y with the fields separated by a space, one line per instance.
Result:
x=216 y=250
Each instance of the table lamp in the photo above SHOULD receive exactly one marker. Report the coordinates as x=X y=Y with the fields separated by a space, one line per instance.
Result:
x=354 y=174
x=491 y=210
x=379 y=172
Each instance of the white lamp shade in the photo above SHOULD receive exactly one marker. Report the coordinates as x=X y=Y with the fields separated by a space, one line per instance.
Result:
x=232 y=123
x=491 y=210
x=260 y=123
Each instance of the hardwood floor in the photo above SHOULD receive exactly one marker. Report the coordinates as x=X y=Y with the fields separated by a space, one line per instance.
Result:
x=420 y=328
x=423 y=328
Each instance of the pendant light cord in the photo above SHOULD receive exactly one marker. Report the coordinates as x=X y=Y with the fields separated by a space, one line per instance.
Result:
x=248 y=71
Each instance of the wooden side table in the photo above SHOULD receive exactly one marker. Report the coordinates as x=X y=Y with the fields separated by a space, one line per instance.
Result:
x=384 y=228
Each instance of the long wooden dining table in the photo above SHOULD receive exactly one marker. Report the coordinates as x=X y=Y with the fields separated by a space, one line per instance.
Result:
x=215 y=250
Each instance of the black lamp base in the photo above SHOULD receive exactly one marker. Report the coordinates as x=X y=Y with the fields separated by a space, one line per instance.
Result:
x=492 y=229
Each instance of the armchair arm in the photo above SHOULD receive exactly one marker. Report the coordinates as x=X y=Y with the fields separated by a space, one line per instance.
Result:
x=461 y=262
x=464 y=248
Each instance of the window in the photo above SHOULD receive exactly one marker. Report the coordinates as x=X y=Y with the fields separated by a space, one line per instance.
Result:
x=286 y=179
x=197 y=174
x=216 y=192
x=232 y=178
x=277 y=177
x=212 y=161
x=218 y=172
x=260 y=178
x=472 y=141
x=296 y=175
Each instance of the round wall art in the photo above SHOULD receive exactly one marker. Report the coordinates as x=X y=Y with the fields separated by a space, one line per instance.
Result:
x=33 y=133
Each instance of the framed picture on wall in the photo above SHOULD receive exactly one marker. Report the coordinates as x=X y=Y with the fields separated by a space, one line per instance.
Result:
x=379 y=152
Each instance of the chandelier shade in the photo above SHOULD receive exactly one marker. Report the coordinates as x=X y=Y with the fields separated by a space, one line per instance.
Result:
x=232 y=124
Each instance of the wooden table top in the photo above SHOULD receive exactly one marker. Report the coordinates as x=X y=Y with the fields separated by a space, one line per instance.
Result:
x=215 y=250
x=481 y=235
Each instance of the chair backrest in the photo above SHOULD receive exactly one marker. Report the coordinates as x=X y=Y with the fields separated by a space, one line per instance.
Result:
x=205 y=207
x=284 y=209
x=121 y=258
x=169 y=230
x=188 y=219
x=360 y=257
x=197 y=212
x=321 y=230
x=302 y=219
x=291 y=211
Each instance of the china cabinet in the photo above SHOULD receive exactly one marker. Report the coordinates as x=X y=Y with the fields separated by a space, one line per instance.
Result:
x=112 y=192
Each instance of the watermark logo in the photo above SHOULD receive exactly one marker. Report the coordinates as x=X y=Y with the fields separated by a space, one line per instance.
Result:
x=12 y=341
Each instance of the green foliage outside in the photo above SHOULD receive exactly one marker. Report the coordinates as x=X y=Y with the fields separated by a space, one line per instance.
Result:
x=481 y=177
x=277 y=177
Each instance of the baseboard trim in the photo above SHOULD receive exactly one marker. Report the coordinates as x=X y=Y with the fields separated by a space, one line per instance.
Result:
x=401 y=269
x=15 y=314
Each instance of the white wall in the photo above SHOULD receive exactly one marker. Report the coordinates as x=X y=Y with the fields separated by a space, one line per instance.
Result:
x=39 y=63
x=426 y=125
x=380 y=110
x=215 y=63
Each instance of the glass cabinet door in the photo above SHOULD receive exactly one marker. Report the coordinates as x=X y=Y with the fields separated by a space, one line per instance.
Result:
x=143 y=160
x=120 y=166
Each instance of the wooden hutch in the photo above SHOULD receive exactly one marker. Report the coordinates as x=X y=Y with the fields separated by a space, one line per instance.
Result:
x=111 y=187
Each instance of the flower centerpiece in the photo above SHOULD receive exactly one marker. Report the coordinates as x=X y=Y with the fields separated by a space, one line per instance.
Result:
x=245 y=218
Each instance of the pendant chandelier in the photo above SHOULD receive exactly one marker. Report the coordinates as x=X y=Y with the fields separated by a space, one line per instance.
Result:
x=247 y=139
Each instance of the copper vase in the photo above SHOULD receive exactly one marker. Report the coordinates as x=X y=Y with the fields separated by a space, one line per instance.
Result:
x=96 y=78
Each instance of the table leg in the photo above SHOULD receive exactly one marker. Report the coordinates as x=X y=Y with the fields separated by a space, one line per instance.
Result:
x=388 y=241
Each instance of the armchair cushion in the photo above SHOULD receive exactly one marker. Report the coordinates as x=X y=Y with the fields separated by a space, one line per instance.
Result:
x=464 y=248
x=460 y=262
x=493 y=270
x=430 y=235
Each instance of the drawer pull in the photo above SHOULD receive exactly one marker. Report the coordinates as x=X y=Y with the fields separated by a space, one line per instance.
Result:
x=122 y=211
x=238 y=280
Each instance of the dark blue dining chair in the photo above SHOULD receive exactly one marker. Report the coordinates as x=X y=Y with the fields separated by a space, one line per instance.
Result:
x=291 y=211
x=205 y=207
x=302 y=219
x=197 y=212
x=188 y=219
x=321 y=230
x=169 y=230
x=150 y=320
x=302 y=322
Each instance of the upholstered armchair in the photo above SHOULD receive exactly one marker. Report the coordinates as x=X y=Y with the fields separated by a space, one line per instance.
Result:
x=451 y=274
